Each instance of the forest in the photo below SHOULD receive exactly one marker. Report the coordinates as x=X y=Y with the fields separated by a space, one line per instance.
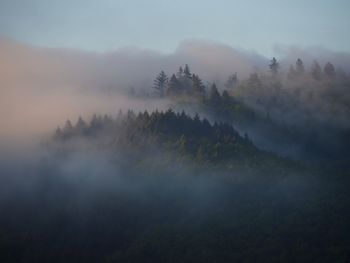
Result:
x=244 y=172
x=304 y=108
x=165 y=131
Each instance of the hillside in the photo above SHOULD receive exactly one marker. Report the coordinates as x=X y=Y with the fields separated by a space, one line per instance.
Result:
x=171 y=136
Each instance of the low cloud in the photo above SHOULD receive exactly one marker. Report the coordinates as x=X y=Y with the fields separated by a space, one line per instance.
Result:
x=41 y=87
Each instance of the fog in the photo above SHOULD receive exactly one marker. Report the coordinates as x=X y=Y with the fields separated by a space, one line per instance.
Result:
x=95 y=203
x=41 y=87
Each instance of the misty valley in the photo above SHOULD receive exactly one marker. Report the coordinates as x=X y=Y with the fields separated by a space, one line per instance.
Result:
x=253 y=169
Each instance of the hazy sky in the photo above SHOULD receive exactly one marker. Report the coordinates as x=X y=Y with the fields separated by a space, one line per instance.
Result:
x=162 y=24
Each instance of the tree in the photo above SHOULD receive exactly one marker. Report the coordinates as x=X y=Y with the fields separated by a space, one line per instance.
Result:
x=214 y=95
x=225 y=96
x=68 y=126
x=232 y=81
x=180 y=73
x=187 y=72
x=81 y=125
x=299 y=66
x=316 y=70
x=274 y=66
x=329 y=70
x=254 y=80
x=96 y=122
x=160 y=83
x=173 y=86
x=197 y=86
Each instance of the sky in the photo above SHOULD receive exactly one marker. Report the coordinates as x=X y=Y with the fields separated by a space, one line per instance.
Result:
x=104 y=25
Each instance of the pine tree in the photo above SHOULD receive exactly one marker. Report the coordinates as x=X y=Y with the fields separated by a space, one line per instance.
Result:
x=254 y=80
x=232 y=81
x=214 y=95
x=160 y=83
x=316 y=71
x=81 y=125
x=299 y=66
x=274 y=66
x=198 y=88
x=173 y=86
x=68 y=126
x=226 y=98
x=187 y=72
x=329 y=70
x=180 y=73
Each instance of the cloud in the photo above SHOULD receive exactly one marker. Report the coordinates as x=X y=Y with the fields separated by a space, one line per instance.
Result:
x=41 y=87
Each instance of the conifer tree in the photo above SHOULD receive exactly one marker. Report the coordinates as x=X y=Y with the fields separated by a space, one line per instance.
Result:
x=180 y=73
x=197 y=86
x=187 y=72
x=299 y=67
x=274 y=66
x=173 y=86
x=232 y=81
x=329 y=70
x=214 y=95
x=316 y=71
x=160 y=83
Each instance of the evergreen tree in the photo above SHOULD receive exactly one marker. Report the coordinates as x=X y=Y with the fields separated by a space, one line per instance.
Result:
x=180 y=73
x=68 y=126
x=254 y=80
x=232 y=81
x=173 y=86
x=81 y=125
x=329 y=70
x=198 y=88
x=96 y=122
x=187 y=72
x=274 y=66
x=299 y=66
x=316 y=71
x=214 y=95
x=226 y=98
x=160 y=83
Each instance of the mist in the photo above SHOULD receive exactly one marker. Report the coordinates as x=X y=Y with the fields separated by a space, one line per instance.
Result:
x=145 y=192
x=95 y=202
x=41 y=87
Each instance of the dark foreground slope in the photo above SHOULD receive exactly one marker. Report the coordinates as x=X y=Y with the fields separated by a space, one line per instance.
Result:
x=164 y=187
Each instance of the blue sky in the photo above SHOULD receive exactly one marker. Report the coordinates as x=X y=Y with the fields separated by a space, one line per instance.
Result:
x=101 y=25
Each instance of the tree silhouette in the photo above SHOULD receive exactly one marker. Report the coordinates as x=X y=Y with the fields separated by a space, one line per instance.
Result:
x=316 y=71
x=198 y=88
x=232 y=81
x=299 y=67
x=214 y=95
x=274 y=66
x=329 y=70
x=187 y=72
x=173 y=86
x=160 y=83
